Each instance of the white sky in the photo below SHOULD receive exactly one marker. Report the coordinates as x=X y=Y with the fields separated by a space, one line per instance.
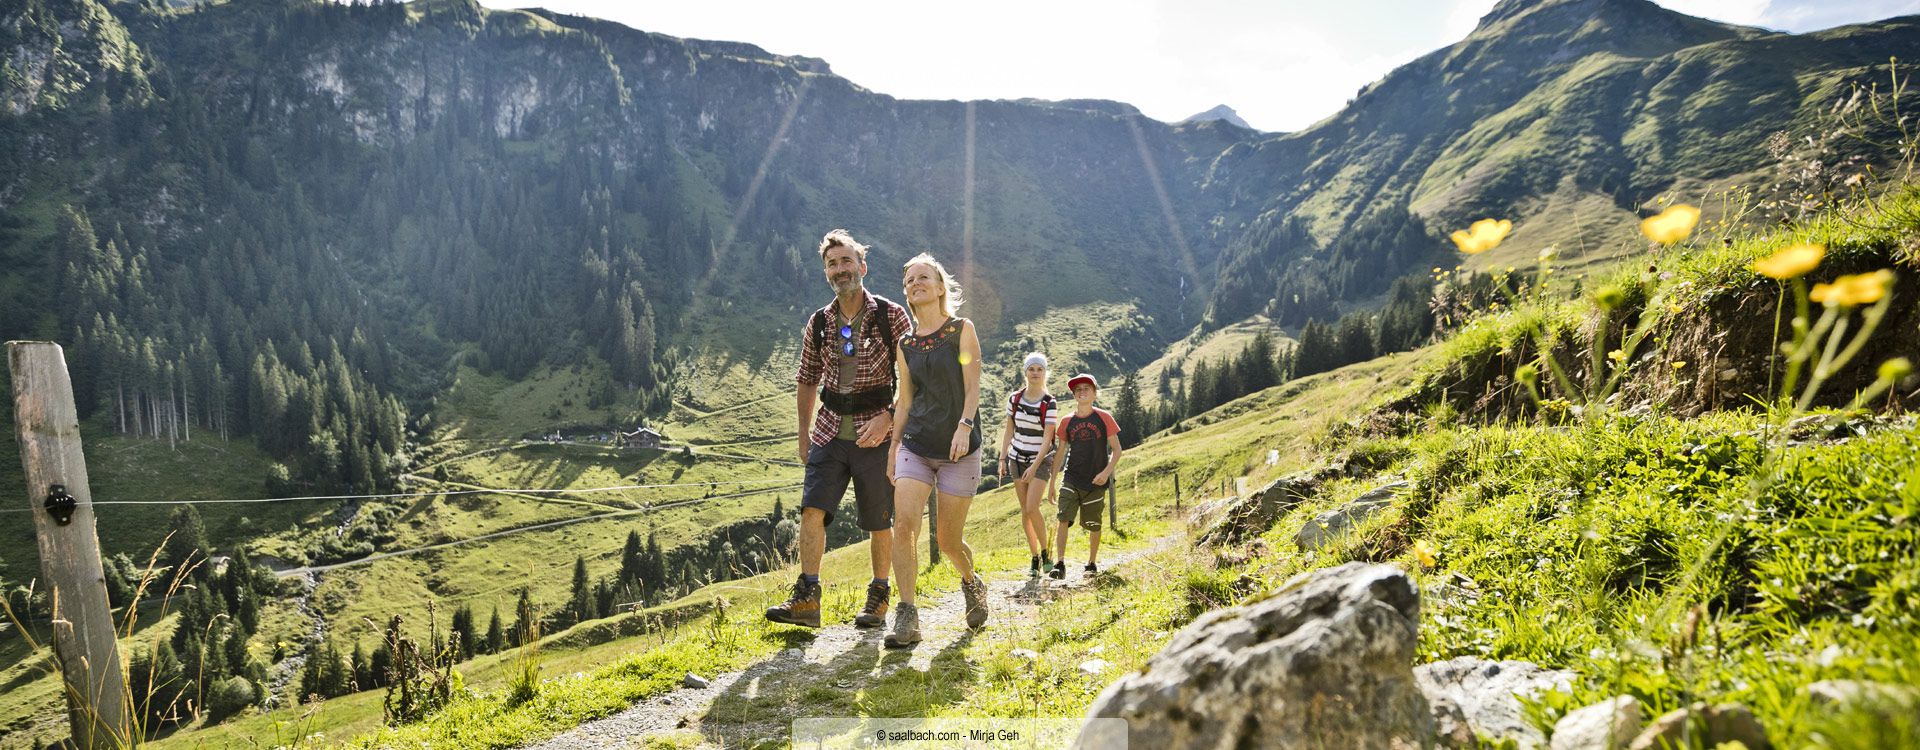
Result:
x=1282 y=64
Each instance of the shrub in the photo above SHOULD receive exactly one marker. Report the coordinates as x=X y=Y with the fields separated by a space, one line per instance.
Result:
x=230 y=696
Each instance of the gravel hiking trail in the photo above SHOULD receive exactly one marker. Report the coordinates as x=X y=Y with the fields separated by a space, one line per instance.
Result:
x=758 y=704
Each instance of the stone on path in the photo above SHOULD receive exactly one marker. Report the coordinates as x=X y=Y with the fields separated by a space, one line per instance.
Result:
x=1325 y=662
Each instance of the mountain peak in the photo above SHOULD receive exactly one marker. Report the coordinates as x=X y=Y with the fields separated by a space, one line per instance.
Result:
x=1222 y=113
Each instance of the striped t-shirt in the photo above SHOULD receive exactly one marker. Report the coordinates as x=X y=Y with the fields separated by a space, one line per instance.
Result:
x=1030 y=420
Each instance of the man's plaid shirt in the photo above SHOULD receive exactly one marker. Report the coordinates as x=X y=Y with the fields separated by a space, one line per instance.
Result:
x=820 y=367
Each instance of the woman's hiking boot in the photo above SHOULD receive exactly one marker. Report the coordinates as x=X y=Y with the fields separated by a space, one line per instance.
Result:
x=975 y=591
x=803 y=608
x=874 y=614
x=1033 y=567
x=906 y=627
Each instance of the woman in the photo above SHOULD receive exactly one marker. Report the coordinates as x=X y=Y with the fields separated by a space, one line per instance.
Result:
x=1031 y=416
x=937 y=441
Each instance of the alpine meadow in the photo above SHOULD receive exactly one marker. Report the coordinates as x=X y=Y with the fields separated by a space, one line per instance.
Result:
x=435 y=367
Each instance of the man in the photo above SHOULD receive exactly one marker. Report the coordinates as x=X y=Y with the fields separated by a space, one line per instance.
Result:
x=846 y=365
x=1090 y=440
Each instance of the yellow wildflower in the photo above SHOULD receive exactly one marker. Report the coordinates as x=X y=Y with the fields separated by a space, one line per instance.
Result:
x=1855 y=289
x=1675 y=309
x=1617 y=355
x=1791 y=262
x=1679 y=365
x=1484 y=235
x=1896 y=369
x=1671 y=225
x=1425 y=553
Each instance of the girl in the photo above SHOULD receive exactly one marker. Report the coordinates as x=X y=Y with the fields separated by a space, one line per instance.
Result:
x=1031 y=416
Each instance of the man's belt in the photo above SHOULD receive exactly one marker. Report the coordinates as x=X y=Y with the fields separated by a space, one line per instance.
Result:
x=857 y=402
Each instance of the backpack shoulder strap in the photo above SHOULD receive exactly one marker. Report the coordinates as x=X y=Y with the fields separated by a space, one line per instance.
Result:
x=885 y=321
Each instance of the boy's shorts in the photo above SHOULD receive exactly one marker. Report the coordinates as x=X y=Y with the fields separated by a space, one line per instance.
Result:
x=955 y=478
x=832 y=466
x=1087 y=503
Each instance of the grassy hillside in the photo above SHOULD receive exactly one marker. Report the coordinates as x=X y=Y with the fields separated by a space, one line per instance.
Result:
x=1665 y=552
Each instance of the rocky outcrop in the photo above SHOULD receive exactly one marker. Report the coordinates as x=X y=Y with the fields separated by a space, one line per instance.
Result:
x=1326 y=662
x=1488 y=694
x=1331 y=525
x=1244 y=518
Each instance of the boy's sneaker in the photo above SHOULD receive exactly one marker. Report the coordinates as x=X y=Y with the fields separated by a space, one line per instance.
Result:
x=803 y=608
x=975 y=591
x=906 y=627
x=1059 y=570
x=1033 y=567
x=1091 y=568
x=874 y=614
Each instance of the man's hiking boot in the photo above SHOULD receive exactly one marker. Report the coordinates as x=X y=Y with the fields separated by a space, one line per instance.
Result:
x=1091 y=568
x=1059 y=570
x=874 y=614
x=975 y=591
x=1033 y=567
x=906 y=627
x=803 y=608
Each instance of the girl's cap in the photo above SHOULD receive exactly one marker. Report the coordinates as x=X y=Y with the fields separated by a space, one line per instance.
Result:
x=1035 y=358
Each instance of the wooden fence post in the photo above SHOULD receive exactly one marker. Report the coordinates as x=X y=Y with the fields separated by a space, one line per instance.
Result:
x=83 y=639
x=1113 y=506
x=1176 y=491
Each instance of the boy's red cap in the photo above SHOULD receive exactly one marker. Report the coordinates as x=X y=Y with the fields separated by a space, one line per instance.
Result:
x=1075 y=381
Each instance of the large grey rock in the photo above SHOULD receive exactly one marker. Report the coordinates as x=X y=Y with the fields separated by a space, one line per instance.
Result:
x=1324 y=663
x=1701 y=725
x=1247 y=517
x=1608 y=725
x=1488 y=692
x=1331 y=525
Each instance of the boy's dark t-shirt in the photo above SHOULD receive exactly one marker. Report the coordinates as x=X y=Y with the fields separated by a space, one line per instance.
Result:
x=1086 y=439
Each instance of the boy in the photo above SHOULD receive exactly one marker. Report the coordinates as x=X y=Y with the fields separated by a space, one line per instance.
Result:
x=1090 y=440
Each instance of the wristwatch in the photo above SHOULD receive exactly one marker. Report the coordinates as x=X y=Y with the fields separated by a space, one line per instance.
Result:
x=968 y=421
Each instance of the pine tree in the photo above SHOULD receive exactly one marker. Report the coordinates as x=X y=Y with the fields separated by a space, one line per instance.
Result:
x=1355 y=339
x=496 y=636
x=464 y=637
x=1129 y=414
x=630 y=557
x=188 y=543
x=580 y=604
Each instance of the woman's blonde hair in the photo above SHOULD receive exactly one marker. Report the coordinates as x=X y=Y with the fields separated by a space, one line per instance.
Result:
x=950 y=295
